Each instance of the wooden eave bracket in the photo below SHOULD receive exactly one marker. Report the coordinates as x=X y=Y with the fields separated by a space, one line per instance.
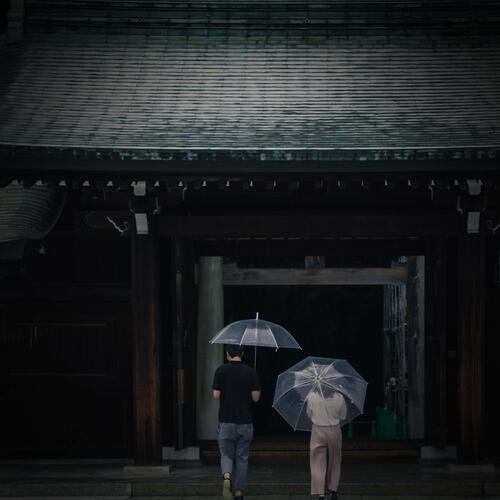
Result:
x=139 y=188
x=475 y=205
x=474 y=186
x=473 y=222
x=141 y=223
x=141 y=217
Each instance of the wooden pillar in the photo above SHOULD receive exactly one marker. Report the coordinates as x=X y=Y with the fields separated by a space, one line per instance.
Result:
x=416 y=345
x=189 y=354
x=470 y=352
x=435 y=340
x=210 y=321
x=178 y=330
x=146 y=350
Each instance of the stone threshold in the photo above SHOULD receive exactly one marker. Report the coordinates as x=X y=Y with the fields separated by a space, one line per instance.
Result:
x=152 y=471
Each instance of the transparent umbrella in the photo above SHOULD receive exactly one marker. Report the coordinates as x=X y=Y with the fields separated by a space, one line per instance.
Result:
x=256 y=332
x=330 y=391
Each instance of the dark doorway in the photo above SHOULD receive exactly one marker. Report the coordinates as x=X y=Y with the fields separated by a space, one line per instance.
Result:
x=330 y=321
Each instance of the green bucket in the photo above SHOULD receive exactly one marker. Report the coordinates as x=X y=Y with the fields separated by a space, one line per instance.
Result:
x=387 y=424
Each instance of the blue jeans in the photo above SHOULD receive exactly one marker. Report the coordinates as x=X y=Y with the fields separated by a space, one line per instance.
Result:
x=234 y=446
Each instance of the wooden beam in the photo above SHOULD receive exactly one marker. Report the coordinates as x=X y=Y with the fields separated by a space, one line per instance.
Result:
x=94 y=223
x=470 y=345
x=315 y=276
x=401 y=225
x=54 y=163
x=146 y=351
x=299 y=247
x=436 y=323
x=52 y=292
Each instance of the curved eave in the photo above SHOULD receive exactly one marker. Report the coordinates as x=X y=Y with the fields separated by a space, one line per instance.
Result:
x=246 y=161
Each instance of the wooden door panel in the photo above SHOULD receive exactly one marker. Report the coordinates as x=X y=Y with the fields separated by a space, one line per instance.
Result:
x=492 y=348
x=66 y=380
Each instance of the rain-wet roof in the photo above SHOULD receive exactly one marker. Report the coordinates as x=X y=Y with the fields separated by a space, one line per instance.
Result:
x=172 y=86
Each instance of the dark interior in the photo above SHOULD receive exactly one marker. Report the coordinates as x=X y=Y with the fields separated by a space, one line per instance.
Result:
x=328 y=321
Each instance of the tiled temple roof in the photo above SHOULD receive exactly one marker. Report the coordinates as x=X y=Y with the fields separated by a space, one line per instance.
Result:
x=249 y=88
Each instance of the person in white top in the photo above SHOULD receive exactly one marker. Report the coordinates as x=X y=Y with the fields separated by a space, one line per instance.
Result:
x=326 y=410
x=325 y=450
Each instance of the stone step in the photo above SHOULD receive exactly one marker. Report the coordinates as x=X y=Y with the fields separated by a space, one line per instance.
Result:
x=66 y=489
x=451 y=488
x=392 y=445
x=308 y=497
x=299 y=450
x=261 y=497
x=213 y=456
x=100 y=497
x=265 y=491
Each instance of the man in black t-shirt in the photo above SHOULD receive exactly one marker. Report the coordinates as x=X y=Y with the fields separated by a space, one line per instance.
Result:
x=237 y=387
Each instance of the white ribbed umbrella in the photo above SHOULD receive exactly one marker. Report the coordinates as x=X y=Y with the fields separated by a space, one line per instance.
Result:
x=256 y=332
x=332 y=386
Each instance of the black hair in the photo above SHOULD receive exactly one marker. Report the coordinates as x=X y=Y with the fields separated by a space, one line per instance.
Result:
x=234 y=350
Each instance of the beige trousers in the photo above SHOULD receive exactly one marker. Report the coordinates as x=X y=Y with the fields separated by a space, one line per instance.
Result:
x=325 y=439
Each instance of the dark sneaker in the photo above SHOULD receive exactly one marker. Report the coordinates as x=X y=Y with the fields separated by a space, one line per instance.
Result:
x=334 y=496
x=239 y=497
x=226 y=488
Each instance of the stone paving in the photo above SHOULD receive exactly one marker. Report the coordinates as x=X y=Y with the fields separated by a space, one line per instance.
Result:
x=277 y=480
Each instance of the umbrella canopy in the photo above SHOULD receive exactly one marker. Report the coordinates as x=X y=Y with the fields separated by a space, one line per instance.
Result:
x=317 y=390
x=256 y=332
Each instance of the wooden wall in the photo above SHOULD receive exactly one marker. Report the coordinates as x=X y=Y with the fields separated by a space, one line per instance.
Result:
x=492 y=349
x=65 y=340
